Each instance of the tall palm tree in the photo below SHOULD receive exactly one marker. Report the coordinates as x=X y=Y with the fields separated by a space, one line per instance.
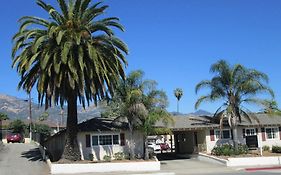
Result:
x=140 y=104
x=234 y=86
x=178 y=92
x=72 y=55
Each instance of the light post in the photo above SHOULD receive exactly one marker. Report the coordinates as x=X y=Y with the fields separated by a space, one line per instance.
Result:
x=30 y=116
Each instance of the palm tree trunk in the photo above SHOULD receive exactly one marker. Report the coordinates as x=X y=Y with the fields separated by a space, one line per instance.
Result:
x=132 y=145
x=1 y=131
x=235 y=137
x=178 y=106
x=71 y=149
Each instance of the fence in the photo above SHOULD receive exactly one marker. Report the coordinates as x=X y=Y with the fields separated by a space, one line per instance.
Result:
x=54 y=146
x=4 y=132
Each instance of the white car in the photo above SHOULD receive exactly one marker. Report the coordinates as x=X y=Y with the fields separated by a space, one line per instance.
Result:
x=154 y=146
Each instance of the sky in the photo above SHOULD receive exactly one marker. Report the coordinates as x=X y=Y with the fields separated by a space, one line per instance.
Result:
x=175 y=42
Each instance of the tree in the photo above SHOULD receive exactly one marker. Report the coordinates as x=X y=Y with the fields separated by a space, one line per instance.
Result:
x=140 y=104
x=43 y=129
x=18 y=126
x=271 y=107
x=178 y=92
x=43 y=116
x=234 y=85
x=2 y=117
x=73 y=55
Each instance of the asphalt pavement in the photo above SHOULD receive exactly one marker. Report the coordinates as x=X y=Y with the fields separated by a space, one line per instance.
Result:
x=23 y=159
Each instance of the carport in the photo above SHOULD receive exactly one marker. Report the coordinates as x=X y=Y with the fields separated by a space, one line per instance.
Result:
x=190 y=133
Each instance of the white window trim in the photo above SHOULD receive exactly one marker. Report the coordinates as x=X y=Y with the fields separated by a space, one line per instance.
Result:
x=277 y=133
x=253 y=129
x=119 y=139
x=222 y=138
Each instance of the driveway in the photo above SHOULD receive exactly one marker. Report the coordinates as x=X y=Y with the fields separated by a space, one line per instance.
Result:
x=24 y=159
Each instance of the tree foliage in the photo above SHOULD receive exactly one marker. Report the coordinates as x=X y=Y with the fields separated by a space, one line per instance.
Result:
x=3 y=116
x=140 y=103
x=42 y=129
x=17 y=126
x=178 y=92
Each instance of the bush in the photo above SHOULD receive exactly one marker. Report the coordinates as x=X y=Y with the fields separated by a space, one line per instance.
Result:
x=228 y=150
x=265 y=148
x=119 y=156
x=18 y=126
x=276 y=149
x=107 y=158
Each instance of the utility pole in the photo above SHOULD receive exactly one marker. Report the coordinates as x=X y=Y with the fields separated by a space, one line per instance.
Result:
x=30 y=117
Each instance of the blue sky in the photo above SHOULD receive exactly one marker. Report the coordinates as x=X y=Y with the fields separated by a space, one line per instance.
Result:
x=175 y=42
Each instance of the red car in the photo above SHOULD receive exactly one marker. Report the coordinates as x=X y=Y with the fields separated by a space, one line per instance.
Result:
x=14 y=137
x=164 y=146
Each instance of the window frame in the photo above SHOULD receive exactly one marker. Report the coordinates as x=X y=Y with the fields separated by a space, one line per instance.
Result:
x=112 y=140
x=275 y=132
x=255 y=133
x=218 y=130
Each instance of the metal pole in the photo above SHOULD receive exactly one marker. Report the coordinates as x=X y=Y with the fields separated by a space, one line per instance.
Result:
x=30 y=117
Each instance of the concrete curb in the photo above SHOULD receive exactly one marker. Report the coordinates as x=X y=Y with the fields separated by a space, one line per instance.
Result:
x=151 y=166
x=213 y=159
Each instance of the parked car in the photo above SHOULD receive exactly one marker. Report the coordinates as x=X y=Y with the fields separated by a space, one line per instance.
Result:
x=154 y=146
x=164 y=146
x=15 y=137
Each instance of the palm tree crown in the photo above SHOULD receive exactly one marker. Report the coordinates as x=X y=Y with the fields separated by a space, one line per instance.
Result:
x=74 y=53
x=73 y=50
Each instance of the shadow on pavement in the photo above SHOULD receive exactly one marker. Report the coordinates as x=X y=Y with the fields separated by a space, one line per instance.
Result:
x=171 y=156
x=32 y=155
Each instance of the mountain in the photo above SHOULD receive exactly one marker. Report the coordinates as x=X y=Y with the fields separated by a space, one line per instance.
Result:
x=201 y=112
x=17 y=108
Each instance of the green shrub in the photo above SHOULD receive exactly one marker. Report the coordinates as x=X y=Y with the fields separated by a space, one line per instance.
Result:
x=107 y=158
x=265 y=148
x=91 y=157
x=276 y=149
x=119 y=156
x=228 y=150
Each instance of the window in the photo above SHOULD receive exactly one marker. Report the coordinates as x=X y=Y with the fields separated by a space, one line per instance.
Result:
x=250 y=132
x=225 y=134
x=95 y=140
x=271 y=133
x=105 y=140
x=115 y=139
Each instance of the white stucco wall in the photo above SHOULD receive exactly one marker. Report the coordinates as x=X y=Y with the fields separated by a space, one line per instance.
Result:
x=100 y=151
x=211 y=144
x=269 y=142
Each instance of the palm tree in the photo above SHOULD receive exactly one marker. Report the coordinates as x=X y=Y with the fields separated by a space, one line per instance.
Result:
x=271 y=107
x=234 y=85
x=73 y=55
x=139 y=103
x=178 y=92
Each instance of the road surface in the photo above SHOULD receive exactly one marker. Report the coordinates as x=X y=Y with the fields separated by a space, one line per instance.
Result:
x=23 y=159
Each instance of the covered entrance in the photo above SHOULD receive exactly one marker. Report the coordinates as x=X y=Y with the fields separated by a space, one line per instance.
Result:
x=189 y=142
